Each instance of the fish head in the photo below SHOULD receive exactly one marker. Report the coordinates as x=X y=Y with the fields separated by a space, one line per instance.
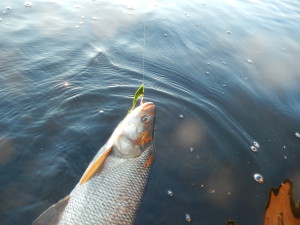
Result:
x=130 y=139
x=135 y=133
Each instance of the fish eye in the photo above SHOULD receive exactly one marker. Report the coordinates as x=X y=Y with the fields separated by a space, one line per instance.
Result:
x=145 y=119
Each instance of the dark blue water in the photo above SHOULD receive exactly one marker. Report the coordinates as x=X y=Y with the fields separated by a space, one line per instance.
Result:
x=230 y=68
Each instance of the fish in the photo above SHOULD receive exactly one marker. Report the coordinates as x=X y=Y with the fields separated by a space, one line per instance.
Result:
x=111 y=188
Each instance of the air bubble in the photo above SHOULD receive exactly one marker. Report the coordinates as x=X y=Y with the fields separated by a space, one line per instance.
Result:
x=297 y=135
x=165 y=35
x=249 y=61
x=170 y=193
x=181 y=116
x=94 y=18
x=212 y=191
x=258 y=178
x=207 y=73
x=188 y=218
x=27 y=4
x=101 y=112
x=256 y=144
x=253 y=148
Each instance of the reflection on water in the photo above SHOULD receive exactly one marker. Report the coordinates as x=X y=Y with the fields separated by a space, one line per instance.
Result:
x=223 y=75
x=6 y=150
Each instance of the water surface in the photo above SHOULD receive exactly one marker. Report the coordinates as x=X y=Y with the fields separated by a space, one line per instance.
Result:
x=230 y=68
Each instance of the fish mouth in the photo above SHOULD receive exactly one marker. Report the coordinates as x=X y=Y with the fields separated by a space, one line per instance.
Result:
x=148 y=106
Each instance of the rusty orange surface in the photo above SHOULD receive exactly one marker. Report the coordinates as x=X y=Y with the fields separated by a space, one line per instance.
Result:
x=281 y=208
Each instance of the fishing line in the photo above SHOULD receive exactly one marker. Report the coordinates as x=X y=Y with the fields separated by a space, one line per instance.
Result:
x=141 y=90
x=144 y=46
x=143 y=54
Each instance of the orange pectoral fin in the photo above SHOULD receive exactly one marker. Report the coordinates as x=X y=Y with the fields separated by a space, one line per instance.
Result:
x=91 y=171
x=150 y=160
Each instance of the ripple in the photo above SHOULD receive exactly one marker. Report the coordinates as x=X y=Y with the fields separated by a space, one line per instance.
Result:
x=63 y=90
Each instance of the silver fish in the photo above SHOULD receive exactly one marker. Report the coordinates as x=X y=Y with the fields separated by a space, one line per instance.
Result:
x=110 y=190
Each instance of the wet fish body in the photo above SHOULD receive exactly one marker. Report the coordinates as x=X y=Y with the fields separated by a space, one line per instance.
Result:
x=120 y=187
x=112 y=187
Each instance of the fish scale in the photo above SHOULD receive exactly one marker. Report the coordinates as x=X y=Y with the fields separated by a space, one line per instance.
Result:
x=116 y=193
x=111 y=189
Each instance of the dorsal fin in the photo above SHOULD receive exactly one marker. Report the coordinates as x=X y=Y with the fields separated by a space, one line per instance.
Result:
x=53 y=214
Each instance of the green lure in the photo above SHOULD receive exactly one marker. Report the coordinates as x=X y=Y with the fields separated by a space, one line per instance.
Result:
x=138 y=93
